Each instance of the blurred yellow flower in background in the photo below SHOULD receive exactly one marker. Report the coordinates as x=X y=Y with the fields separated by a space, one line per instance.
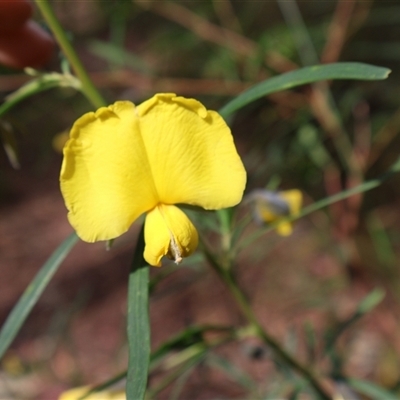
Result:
x=270 y=206
x=78 y=393
x=126 y=160
x=59 y=141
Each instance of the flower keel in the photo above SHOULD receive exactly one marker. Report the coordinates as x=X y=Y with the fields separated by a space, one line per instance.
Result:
x=168 y=232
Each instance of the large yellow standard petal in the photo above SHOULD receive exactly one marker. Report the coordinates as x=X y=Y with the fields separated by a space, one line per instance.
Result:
x=78 y=393
x=106 y=179
x=168 y=232
x=191 y=152
x=122 y=160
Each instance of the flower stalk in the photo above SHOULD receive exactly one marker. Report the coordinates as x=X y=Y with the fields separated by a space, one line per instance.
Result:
x=88 y=88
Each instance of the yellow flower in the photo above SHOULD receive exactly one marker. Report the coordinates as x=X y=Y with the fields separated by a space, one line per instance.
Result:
x=126 y=160
x=269 y=207
x=77 y=393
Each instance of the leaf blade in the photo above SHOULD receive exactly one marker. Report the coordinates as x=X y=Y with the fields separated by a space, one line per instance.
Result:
x=370 y=389
x=32 y=293
x=138 y=324
x=38 y=84
x=303 y=76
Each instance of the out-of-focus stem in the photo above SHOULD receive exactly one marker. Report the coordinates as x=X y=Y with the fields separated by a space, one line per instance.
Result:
x=321 y=99
x=225 y=223
x=88 y=88
x=229 y=280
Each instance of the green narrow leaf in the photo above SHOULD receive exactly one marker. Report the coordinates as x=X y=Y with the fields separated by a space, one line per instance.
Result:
x=138 y=326
x=119 y=56
x=374 y=392
x=369 y=302
x=232 y=371
x=188 y=337
x=180 y=383
x=198 y=354
x=104 y=385
x=39 y=84
x=302 y=76
x=32 y=293
x=382 y=243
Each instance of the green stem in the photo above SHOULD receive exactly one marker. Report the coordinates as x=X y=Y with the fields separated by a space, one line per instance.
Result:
x=228 y=278
x=88 y=88
x=225 y=218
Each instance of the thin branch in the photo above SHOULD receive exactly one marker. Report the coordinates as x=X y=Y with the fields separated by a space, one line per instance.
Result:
x=337 y=31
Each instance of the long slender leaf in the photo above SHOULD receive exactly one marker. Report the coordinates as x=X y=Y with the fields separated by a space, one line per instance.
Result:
x=374 y=392
x=232 y=371
x=138 y=326
x=104 y=385
x=119 y=56
x=369 y=302
x=32 y=293
x=180 y=383
x=37 y=85
x=175 y=374
x=302 y=76
x=189 y=336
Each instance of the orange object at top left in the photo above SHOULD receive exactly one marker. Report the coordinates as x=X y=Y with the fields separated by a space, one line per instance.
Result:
x=23 y=43
x=14 y=14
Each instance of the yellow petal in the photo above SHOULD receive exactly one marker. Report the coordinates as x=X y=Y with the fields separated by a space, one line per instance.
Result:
x=284 y=229
x=294 y=199
x=77 y=393
x=168 y=232
x=191 y=152
x=106 y=178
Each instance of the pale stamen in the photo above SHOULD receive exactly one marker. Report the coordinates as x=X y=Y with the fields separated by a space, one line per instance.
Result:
x=174 y=250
